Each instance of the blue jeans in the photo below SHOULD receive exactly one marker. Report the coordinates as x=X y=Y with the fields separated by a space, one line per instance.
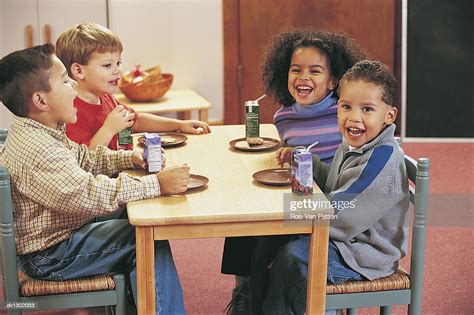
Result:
x=107 y=247
x=286 y=293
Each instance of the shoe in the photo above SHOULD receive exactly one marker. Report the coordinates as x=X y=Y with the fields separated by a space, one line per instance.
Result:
x=240 y=302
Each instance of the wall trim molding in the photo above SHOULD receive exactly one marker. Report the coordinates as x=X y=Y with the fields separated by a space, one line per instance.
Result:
x=437 y=140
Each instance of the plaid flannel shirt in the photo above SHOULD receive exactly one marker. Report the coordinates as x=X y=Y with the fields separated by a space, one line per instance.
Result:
x=58 y=185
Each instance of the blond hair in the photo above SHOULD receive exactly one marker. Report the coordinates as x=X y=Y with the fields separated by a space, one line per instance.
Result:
x=79 y=42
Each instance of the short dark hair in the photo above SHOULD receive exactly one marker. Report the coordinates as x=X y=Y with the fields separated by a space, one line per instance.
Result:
x=23 y=73
x=376 y=72
x=341 y=50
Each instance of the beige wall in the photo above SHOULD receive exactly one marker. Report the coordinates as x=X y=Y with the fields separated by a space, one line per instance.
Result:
x=183 y=37
x=5 y=115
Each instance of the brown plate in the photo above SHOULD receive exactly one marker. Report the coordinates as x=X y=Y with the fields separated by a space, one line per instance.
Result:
x=241 y=144
x=168 y=139
x=172 y=139
x=274 y=176
x=196 y=181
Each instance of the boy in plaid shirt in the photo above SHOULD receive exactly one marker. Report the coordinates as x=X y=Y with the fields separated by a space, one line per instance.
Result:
x=60 y=187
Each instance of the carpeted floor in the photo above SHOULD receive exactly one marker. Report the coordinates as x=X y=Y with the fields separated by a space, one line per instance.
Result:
x=448 y=279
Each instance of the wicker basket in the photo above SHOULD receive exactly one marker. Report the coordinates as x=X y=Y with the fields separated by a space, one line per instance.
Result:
x=145 y=90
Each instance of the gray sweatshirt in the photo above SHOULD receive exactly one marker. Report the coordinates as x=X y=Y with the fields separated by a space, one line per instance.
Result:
x=370 y=183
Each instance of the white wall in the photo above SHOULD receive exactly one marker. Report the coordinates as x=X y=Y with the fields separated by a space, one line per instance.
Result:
x=15 y=15
x=1 y=31
x=183 y=37
x=5 y=115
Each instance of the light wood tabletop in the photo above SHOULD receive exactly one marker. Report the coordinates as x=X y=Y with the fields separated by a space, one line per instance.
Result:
x=232 y=204
x=181 y=101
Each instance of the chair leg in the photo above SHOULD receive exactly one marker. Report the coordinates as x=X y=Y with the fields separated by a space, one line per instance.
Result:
x=121 y=307
x=386 y=310
x=351 y=311
x=109 y=310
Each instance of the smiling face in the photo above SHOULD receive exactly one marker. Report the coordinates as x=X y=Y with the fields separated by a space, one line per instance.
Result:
x=361 y=113
x=99 y=76
x=61 y=96
x=309 y=76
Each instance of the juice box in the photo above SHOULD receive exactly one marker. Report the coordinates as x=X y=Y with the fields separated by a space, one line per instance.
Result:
x=125 y=136
x=152 y=152
x=302 y=172
x=252 y=119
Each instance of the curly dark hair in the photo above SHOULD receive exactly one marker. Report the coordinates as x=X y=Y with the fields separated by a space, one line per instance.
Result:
x=376 y=72
x=341 y=50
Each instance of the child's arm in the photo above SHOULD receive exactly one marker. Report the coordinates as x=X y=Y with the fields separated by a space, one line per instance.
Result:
x=153 y=123
x=117 y=120
x=81 y=192
x=102 y=160
x=367 y=192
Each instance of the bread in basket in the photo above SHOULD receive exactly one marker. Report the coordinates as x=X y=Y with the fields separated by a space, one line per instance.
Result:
x=142 y=86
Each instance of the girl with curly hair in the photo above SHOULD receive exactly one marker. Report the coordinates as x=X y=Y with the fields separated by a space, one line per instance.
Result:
x=301 y=70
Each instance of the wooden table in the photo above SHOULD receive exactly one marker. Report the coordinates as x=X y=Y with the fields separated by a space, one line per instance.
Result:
x=232 y=204
x=181 y=101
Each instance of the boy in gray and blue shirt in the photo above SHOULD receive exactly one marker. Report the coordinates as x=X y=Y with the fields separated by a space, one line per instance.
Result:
x=366 y=240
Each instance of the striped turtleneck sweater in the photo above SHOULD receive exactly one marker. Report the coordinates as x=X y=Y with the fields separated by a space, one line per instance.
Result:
x=303 y=125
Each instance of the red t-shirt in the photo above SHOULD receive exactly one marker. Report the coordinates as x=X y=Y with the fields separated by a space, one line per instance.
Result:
x=90 y=117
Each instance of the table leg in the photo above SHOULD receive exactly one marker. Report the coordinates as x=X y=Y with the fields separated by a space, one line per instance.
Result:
x=203 y=115
x=184 y=115
x=145 y=270
x=317 y=268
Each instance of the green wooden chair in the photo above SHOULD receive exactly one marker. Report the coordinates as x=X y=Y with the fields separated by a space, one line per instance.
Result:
x=102 y=290
x=401 y=287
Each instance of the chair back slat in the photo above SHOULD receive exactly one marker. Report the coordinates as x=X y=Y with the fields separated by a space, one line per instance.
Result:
x=411 y=165
x=9 y=269
x=115 y=292
x=3 y=135
x=412 y=194
x=418 y=173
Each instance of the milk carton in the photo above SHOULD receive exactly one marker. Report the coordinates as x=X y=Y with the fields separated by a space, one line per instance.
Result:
x=152 y=152
x=125 y=136
x=252 y=120
x=302 y=172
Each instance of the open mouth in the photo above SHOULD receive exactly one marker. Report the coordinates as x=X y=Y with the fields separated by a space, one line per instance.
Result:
x=304 y=90
x=355 y=132
x=114 y=82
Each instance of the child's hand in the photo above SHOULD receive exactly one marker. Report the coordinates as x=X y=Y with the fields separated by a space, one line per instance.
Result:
x=138 y=160
x=118 y=119
x=174 y=180
x=194 y=127
x=283 y=155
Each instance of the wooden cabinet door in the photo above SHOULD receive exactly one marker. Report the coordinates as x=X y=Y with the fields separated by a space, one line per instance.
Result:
x=249 y=25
